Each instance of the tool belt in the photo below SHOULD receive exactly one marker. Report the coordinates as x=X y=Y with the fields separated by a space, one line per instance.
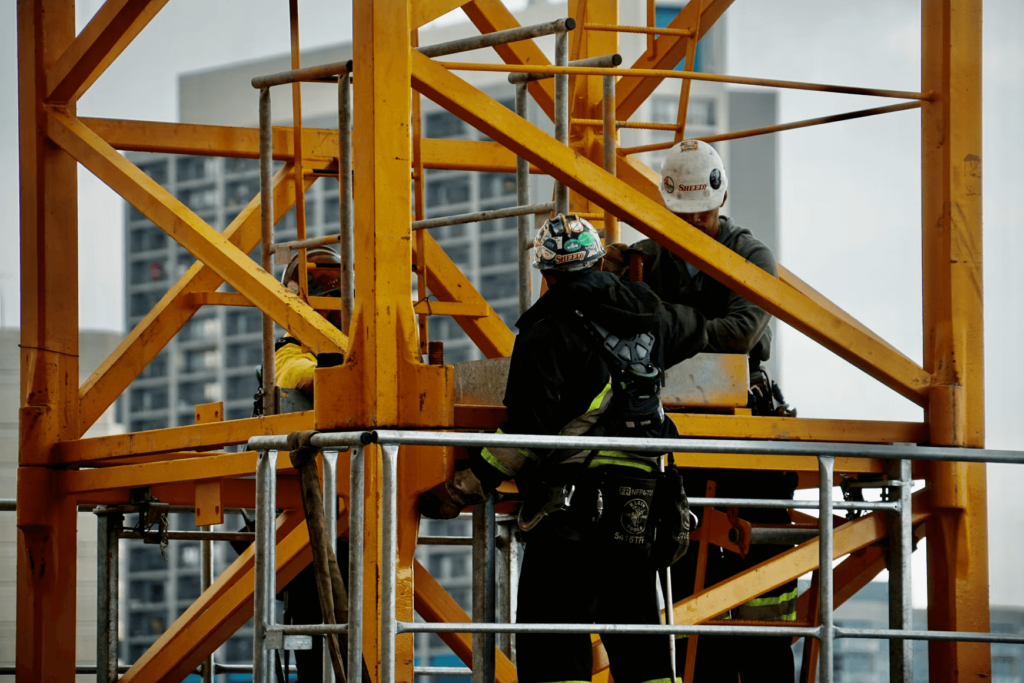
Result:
x=640 y=516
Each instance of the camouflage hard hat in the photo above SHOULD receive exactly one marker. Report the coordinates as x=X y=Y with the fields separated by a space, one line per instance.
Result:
x=567 y=243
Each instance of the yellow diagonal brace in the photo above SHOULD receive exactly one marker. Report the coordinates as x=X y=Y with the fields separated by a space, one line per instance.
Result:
x=705 y=253
x=174 y=309
x=191 y=232
x=425 y=11
x=223 y=608
x=668 y=51
x=492 y=15
x=107 y=34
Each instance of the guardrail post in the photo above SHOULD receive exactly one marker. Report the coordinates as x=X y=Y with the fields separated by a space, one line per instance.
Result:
x=483 y=589
x=267 y=242
x=389 y=555
x=347 y=208
x=901 y=653
x=825 y=551
x=562 y=114
x=523 y=199
x=206 y=579
x=330 y=498
x=107 y=568
x=265 y=563
x=356 y=531
x=507 y=579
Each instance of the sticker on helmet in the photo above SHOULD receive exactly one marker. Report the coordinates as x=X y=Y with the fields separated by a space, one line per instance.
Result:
x=551 y=244
x=576 y=227
x=692 y=188
x=715 y=179
x=566 y=258
x=544 y=253
x=688 y=146
x=571 y=245
x=669 y=184
x=585 y=240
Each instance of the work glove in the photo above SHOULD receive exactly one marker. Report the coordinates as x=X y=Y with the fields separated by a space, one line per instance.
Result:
x=447 y=499
x=300 y=449
x=616 y=258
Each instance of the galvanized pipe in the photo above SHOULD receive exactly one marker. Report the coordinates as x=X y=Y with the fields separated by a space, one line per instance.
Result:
x=320 y=72
x=512 y=35
x=206 y=580
x=266 y=243
x=356 y=531
x=263 y=598
x=330 y=498
x=204 y=536
x=8 y=504
x=625 y=629
x=825 y=551
x=477 y=216
x=600 y=62
x=948 y=636
x=562 y=114
x=506 y=582
x=780 y=536
x=484 y=533
x=784 y=504
x=525 y=229
x=441 y=671
x=611 y=223
x=444 y=540
x=901 y=609
x=107 y=571
x=389 y=552
x=346 y=200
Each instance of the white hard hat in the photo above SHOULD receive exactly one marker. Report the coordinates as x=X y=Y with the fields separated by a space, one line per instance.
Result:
x=693 y=178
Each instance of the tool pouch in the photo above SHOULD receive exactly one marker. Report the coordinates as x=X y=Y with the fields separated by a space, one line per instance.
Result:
x=671 y=512
x=626 y=526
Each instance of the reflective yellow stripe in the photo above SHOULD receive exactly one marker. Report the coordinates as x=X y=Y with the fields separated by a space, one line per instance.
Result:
x=596 y=403
x=771 y=600
x=497 y=464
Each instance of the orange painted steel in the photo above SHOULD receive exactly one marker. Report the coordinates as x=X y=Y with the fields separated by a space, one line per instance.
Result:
x=384 y=381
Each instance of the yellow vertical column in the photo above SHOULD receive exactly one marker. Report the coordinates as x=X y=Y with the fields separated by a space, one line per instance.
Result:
x=47 y=523
x=953 y=325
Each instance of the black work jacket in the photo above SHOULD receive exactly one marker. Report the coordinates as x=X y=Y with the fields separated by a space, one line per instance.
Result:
x=557 y=369
x=734 y=325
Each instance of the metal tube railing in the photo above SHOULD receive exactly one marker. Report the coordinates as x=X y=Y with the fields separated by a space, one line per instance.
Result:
x=901 y=613
x=330 y=485
x=512 y=35
x=524 y=227
x=356 y=531
x=206 y=580
x=266 y=243
x=562 y=115
x=390 y=440
x=346 y=200
x=600 y=62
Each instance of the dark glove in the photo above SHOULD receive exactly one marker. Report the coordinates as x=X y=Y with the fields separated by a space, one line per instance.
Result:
x=616 y=258
x=300 y=449
x=447 y=499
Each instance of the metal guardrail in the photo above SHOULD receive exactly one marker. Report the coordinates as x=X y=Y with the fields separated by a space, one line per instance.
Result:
x=389 y=440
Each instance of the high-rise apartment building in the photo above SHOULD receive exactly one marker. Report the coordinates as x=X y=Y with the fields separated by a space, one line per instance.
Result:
x=213 y=358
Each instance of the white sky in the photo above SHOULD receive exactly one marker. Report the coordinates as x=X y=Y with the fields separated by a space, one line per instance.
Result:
x=850 y=193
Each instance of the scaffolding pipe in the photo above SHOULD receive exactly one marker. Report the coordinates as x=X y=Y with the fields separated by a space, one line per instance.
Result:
x=264 y=614
x=600 y=62
x=321 y=72
x=330 y=498
x=484 y=533
x=652 y=30
x=825 y=552
x=204 y=536
x=206 y=580
x=525 y=228
x=388 y=569
x=901 y=609
x=107 y=569
x=557 y=69
x=562 y=115
x=786 y=504
x=266 y=243
x=611 y=223
x=346 y=201
x=356 y=515
x=512 y=35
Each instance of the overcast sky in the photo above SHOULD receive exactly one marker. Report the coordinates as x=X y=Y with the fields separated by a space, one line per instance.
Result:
x=850 y=192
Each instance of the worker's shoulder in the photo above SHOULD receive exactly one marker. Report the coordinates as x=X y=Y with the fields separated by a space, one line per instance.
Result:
x=743 y=241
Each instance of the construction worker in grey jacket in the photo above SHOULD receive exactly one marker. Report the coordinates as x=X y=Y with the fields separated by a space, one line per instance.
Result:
x=694 y=186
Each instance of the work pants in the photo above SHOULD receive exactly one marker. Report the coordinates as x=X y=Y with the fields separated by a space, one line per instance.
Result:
x=731 y=658
x=573 y=581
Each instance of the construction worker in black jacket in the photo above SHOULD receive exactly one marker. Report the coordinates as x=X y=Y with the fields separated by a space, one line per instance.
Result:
x=694 y=186
x=563 y=379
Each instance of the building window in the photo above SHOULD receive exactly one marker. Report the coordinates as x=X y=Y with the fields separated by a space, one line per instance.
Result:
x=244 y=322
x=197 y=393
x=150 y=398
x=499 y=285
x=441 y=124
x=200 y=328
x=453 y=190
x=149 y=424
x=151 y=591
x=240 y=192
x=156 y=368
x=241 y=355
x=242 y=386
x=157 y=170
x=241 y=165
x=146 y=239
x=196 y=168
x=500 y=224
x=497 y=185
x=498 y=251
x=199 y=198
x=201 y=360
x=142 y=558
